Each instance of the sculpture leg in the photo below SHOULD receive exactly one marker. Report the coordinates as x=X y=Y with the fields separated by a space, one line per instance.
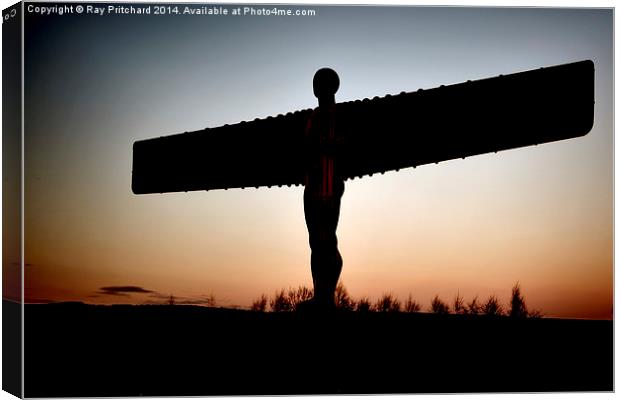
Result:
x=322 y=215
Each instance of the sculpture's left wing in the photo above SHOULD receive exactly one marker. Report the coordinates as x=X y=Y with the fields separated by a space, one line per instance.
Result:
x=263 y=152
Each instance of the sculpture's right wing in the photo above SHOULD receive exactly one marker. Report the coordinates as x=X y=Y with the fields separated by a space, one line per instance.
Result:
x=466 y=119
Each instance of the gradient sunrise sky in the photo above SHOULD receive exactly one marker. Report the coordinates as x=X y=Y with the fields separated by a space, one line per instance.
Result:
x=95 y=84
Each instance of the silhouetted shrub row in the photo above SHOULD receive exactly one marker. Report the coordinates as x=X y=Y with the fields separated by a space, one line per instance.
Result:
x=288 y=300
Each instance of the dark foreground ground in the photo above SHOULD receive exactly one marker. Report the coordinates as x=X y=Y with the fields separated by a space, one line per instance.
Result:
x=82 y=350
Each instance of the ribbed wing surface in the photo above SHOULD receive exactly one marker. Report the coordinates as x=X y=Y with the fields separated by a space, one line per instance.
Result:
x=382 y=134
x=262 y=152
x=466 y=119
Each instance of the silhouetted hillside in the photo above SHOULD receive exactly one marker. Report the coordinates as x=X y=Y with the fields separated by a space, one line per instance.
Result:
x=83 y=350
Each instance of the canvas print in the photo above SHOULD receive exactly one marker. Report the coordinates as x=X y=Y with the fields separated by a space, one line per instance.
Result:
x=267 y=199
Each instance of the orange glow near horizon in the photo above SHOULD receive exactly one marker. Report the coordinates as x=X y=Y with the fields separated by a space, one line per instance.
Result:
x=237 y=245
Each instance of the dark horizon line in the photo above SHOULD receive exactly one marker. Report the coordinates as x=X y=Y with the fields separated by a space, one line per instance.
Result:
x=247 y=308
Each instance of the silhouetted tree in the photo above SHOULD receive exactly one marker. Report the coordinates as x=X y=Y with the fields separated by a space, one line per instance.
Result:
x=439 y=307
x=363 y=305
x=459 y=305
x=171 y=300
x=412 y=305
x=518 y=309
x=535 y=314
x=299 y=295
x=387 y=303
x=492 y=307
x=473 y=307
x=343 y=301
x=210 y=300
x=259 y=304
x=280 y=302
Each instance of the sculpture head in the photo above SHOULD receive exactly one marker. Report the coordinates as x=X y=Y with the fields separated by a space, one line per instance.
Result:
x=325 y=85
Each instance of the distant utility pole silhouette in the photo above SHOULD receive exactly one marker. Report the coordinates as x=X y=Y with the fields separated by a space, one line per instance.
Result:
x=322 y=148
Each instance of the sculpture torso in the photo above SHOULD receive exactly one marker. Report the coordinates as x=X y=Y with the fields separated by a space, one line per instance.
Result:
x=322 y=179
